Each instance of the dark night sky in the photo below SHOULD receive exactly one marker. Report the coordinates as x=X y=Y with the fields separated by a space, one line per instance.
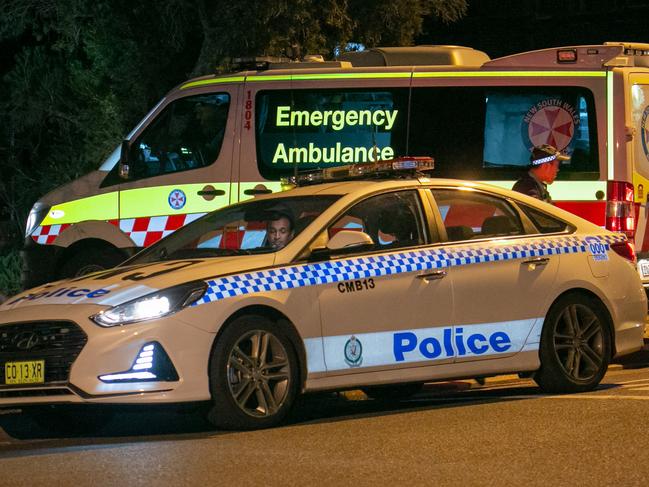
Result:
x=502 y=27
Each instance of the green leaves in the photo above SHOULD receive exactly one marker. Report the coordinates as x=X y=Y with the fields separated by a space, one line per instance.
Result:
x=10 y=265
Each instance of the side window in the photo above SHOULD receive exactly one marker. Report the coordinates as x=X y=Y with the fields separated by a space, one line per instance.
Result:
x=544 y=222
x=393 y=220
x=188 y=134
x=486 y=133
x=471 y=214
x=319 y=128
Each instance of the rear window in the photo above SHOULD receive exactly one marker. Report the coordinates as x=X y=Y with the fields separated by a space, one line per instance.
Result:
x=487 y=134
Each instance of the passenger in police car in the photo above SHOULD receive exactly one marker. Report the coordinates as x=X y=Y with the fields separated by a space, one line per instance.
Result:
x=542 y=170
x=279 y=231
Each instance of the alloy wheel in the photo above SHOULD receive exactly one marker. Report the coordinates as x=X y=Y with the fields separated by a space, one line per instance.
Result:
x=258 y=373
x=578 y=342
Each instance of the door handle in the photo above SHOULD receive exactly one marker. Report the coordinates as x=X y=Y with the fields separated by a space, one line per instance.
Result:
x=256 y=191
x=209 y=192
x=538 y=261
x=432 y=276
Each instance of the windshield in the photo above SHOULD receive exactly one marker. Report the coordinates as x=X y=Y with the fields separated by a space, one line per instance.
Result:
x=252 y=227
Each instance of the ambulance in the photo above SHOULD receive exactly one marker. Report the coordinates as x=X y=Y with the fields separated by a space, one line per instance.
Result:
x=220 y=139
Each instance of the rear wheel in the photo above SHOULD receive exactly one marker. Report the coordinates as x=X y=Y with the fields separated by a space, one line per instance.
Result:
x=575 y=345
x=89 y=260
x=253 y=375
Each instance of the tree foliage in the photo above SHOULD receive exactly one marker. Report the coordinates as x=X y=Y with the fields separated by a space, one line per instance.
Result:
x=77 y=74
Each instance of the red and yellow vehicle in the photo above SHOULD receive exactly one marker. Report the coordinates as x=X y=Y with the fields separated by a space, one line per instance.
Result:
x=217 y=140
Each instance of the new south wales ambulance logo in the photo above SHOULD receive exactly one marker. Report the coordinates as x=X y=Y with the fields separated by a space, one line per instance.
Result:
x=353 y=352
x=177 y=199
x=551 y=121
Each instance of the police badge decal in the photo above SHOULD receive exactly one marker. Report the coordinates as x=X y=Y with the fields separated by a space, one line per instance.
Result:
x=353 y=352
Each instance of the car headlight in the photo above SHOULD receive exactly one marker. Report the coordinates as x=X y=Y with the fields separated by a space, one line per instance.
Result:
x=36 y=215
x=151 y=306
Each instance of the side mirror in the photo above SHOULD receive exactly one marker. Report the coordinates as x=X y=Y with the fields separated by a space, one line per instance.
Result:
x=123 y=160
x=349 y=239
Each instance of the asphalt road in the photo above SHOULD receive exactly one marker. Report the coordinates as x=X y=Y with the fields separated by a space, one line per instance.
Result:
x=505 y=432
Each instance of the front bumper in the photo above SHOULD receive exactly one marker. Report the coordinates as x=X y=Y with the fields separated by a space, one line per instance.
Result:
x=109 y=351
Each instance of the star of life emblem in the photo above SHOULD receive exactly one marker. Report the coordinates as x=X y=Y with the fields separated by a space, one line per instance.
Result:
x=177 y=199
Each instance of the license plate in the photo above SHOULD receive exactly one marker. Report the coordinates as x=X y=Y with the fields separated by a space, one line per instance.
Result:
x=32 y=372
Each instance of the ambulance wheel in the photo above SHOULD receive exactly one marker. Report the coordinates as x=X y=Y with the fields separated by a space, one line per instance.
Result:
x=90 y=260
x=393 y=392
x=253 y=375
x=575 y=345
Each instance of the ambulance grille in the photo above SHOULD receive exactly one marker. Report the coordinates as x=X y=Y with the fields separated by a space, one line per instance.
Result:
x=58 y=343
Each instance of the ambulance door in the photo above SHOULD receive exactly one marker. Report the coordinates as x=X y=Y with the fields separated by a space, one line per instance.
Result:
x=382 y=311
x=248 y=181
x=499 y=290
x=312 y=119
x=639 y=154
x=180 y=164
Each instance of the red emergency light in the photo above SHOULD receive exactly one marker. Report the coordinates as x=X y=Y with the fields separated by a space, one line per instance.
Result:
x=620 y=210
x=567 y=56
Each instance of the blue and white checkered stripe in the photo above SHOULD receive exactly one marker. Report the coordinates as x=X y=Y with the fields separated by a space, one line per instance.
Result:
x=389 y=264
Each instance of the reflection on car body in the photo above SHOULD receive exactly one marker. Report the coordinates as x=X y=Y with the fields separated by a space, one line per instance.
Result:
x=386 y=284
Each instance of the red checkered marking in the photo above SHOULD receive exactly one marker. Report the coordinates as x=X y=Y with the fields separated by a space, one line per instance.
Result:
x=143 y=231
x=47 y=234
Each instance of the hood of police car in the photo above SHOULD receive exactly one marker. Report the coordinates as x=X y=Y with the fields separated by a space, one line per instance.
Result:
x=123 y=284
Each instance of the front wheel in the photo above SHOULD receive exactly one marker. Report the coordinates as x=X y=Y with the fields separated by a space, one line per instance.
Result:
x=253 y=375
x=575 y=345
x=92 y=259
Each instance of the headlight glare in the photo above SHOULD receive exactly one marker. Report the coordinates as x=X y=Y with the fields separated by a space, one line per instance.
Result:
x=151 y=306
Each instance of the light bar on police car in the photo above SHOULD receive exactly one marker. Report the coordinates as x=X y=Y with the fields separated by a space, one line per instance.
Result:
x=400 y=166
x=154 y=305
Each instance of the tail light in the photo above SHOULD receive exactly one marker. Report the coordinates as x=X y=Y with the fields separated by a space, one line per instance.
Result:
x=624 y=249
x=620 y=210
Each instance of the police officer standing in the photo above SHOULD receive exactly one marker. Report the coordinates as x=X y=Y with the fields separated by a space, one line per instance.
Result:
x=543 y=169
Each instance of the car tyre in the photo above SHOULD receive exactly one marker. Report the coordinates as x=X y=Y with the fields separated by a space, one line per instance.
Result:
x=393 y=392
x=253 y=375
x=91 y=260
x=575 y=345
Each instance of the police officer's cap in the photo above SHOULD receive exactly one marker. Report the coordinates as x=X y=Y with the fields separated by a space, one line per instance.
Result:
x=546 y=153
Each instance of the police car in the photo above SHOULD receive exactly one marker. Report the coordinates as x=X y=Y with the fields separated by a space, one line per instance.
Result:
x=372 y=276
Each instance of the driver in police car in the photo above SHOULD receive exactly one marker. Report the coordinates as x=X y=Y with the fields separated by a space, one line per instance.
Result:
x=542 y=170
x=279 y=231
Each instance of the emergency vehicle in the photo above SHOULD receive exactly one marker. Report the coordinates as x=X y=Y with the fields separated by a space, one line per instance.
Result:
x=487 y=281
x=217 y=140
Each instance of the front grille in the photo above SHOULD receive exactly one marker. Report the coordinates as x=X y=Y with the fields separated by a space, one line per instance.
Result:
x=57 y=342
